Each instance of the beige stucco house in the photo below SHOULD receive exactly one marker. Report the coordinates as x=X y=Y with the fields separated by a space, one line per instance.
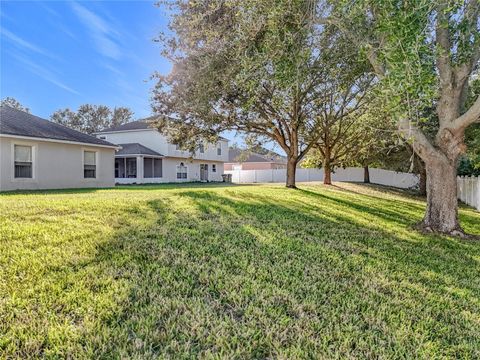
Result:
x=38 y=154
x=146 y=156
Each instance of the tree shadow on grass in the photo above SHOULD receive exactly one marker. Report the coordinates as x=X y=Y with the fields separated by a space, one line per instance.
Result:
x=397 y=210
x=265 y=277
x=245 y=275
x=128 y=187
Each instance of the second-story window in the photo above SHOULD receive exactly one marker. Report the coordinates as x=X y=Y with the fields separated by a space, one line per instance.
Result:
x=201 y=148
x=219 y=149
x=177 y=147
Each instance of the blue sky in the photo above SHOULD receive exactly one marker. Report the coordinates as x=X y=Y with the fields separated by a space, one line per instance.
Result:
x=59 y=54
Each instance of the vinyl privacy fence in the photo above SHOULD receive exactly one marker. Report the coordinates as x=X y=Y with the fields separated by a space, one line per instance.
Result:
x=377 y=176
x=468 y=187
x=469 y=190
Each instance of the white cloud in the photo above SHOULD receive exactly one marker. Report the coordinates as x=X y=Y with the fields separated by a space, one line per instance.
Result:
x=113 y=69
x=44 y=73
x=103 y=33
x=49 y=9
x=24 y=44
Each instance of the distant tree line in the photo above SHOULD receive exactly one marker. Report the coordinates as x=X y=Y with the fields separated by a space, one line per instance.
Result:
x=92 y=118
x=87 y=118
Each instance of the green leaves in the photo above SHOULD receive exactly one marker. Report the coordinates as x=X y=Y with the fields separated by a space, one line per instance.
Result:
x=14 y=103
x=92 y=118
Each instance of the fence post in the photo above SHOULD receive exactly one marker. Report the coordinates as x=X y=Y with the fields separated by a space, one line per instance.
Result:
x=468 y=190
x=460 y=187
x=478 y=193
x=472 y=188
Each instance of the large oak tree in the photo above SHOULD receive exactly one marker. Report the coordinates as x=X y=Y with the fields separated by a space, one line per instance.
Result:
x=258 y=67
x=424 y=52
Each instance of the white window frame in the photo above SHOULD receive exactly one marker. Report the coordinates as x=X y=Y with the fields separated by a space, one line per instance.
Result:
x=219 y=149
x=201 y=148
x=186 y=172
x=34 y=147
x=97 y=167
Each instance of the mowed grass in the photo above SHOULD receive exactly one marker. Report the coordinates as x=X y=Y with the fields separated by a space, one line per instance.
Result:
x=234 y=272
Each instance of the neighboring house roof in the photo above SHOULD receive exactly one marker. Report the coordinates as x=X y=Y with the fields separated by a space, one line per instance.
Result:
x=136 y=149
x=19 y=123
x=141 y=124
x=241 y=156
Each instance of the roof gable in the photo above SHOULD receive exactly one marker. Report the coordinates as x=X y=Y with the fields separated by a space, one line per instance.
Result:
x=142 y=124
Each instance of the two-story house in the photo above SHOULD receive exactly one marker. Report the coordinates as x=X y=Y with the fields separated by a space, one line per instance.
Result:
x=146 y=156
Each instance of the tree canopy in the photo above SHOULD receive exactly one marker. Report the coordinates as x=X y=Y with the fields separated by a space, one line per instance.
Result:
x=264 y=69
x=269 y=69
x=92 y=118
x=14 y=103
x=425 y=53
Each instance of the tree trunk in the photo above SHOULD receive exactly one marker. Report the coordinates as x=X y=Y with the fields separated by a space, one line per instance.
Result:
x=366 y=175
x=291 y=172
x=327 y=172
x=422 y=185
x=441 y=214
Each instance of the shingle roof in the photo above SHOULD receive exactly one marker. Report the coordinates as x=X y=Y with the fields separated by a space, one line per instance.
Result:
x=238 y=155
x=20 y=123
x=141 y=124
x=136 y=149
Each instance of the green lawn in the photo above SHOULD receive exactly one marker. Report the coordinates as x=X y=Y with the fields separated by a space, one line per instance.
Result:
x=233 y=272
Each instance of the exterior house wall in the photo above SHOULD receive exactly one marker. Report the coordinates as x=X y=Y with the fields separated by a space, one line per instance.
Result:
x=169 y=172
x=158 y=142
x=149 y=138
x=56 y=165
x=193 y=169
x=153 y=140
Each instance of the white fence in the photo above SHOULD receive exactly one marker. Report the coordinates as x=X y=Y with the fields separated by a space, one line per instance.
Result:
x=469 y=190
x=468 y=187
x=377 y=176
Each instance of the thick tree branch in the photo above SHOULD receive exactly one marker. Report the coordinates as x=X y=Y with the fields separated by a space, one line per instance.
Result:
x=421 y=144
x=471 y=116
